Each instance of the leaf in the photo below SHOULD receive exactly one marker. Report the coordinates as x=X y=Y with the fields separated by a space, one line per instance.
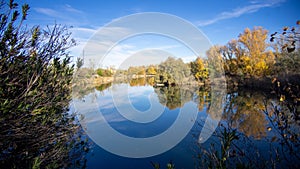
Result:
x=291 y=49
x=273 y=34
x=25 y=9
x=36 y=112
x=12 y=5
x=282 y=98
x=274 y=138
x=293 y=29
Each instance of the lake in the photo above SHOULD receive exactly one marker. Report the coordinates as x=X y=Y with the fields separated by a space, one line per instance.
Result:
x=253 y=130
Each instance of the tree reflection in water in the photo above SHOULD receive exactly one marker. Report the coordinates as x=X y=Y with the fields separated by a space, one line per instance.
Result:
x=256 y=131
x=174 y=96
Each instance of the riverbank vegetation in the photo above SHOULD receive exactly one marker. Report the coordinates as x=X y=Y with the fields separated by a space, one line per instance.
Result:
x=35 y=75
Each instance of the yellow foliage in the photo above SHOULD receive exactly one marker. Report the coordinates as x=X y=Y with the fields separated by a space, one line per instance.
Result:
x=282 y=98
x=257 y=59
x=248 y=68
x=199 y=70
x=151 y=70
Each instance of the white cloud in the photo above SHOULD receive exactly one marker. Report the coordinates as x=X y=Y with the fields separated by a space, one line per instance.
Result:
x=254 y=7
x=65 y=14
x=48 y=12
x=69 y=8
x=103 y=48
x=97 y=43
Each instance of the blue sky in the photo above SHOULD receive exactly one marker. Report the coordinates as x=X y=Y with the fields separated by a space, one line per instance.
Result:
x=220 y=21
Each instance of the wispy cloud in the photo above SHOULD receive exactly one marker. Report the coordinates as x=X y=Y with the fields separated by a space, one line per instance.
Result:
x=65 y=14
x=48 y=12
x=253 y=7
x=69 y=8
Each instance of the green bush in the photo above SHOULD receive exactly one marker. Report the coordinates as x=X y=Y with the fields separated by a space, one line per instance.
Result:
x=35 y=77
x=104 y=72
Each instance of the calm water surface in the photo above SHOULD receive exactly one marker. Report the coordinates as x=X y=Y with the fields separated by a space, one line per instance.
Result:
x=260 y=139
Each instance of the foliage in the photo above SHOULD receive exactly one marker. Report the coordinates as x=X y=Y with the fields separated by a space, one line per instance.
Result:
x=287 y=63
x=223 y=153
x=79 y=62
x=151 y=70
x=103 y=86
x=142 y=71
x=137 y=70
x=137 y=82
x=199 y=69
x=249 y=55
x=204 y=99
x=287 y=49
x=174 y=71
x=35 y=78
x=284 y=117
x=215 y=61
x=288 y=39
x=104 y=72
x=231 y=52
x=169 y=165
x=287 y=79
x=245 y=112
x=273 y=122
x=151 y=81
x=258 y=59
x=174 y=96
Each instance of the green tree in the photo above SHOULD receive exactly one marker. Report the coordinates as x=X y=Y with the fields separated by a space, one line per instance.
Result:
x=79 y=62
x=215 y=61
x=104 y=72
x=35 y=77
x=174 y=71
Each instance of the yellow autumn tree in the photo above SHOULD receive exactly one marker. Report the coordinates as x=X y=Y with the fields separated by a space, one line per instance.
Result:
x=199 y=69
x=151 y=70
x=249 y=55
x=256 y=59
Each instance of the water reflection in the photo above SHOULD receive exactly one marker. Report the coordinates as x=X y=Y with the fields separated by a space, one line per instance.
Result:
x=244 y=111
x=104 y=86
x=174 y=96
x=137 y=82
x=257 y=130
